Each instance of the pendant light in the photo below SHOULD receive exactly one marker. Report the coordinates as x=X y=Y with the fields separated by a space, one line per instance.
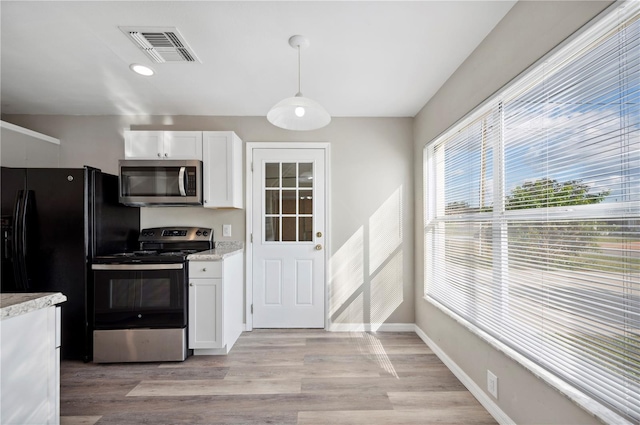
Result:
x=298 y=112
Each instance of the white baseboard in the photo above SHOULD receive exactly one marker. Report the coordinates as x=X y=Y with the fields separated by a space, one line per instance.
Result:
x=368 y=327
x=484 y=399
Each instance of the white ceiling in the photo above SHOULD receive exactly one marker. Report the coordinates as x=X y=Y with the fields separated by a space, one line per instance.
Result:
x=366 y=59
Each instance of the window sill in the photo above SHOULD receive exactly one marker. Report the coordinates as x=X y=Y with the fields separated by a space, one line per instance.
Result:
x=582 y=400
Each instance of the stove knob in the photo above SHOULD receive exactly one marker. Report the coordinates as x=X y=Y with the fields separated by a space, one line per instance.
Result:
x=198 y=233
x=205 y=233
x=139 y=316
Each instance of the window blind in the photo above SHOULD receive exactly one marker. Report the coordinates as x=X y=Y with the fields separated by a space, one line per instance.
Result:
x=532 y=214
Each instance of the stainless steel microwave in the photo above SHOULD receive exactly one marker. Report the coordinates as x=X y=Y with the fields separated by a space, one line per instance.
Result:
x=160 y=183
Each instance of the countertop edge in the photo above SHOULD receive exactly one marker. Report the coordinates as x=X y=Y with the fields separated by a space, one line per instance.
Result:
x=214 y=254
x=16 y=304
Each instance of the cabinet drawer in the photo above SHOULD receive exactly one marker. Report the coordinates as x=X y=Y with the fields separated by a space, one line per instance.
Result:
x=203 y=269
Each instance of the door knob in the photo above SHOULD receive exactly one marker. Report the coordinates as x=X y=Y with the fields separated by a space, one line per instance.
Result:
x=318 y=247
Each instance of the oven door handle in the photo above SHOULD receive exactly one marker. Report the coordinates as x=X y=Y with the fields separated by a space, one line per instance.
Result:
x=181 y=184
x=137 y=266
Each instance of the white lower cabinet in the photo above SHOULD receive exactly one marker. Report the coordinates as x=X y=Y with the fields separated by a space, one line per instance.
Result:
x=205 y=318
x=215 y=304
x=30 y=368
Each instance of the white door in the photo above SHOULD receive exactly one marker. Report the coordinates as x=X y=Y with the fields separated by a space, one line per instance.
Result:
x=288 y=238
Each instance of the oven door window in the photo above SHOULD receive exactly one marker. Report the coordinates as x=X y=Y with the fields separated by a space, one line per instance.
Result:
x=139 y=299
x=145 y=293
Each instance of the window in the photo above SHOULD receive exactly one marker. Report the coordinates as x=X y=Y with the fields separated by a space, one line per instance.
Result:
x=532 y=214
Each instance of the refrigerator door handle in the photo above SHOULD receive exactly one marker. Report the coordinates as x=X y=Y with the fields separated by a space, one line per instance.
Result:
x=8 y=235
x=7 y=244
x=15 y=227
x=181 y=184
x=28 y=196
x=17 y=250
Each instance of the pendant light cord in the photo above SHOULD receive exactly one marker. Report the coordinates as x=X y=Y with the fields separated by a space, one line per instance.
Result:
x=299 y=72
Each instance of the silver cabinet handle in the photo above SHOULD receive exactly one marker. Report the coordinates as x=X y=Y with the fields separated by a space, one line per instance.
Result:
x=159 y=155
x=191 y=284
x=204 y=269
x=318 y=247
x=166 y=155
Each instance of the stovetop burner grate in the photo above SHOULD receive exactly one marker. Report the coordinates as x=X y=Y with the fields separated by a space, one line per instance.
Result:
x=164 y=244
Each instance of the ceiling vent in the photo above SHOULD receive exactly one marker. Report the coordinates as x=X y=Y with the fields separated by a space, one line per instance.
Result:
x=161 y=44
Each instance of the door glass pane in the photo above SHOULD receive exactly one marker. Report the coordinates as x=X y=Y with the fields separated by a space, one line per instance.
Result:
x=272 y=229
x=305 y=174
x=289 y=174
x=272 y=201
x=288 y=195
x=272 y=174
x=305 y=229
x=289 y=201
x=289 y=229
x=305 y=202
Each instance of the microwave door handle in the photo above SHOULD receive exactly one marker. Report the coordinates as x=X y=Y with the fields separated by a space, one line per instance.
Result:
x=181 y=184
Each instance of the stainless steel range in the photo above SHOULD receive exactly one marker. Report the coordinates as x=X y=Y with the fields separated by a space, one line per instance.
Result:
x=140 y=297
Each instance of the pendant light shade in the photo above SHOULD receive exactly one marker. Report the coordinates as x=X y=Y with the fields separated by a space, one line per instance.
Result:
x=298 y=112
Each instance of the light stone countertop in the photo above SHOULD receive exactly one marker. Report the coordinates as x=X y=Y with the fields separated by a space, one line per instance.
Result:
x=12 y=305
x=223 y=250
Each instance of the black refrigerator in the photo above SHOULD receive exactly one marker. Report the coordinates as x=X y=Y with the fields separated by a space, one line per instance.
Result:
x=54 y=221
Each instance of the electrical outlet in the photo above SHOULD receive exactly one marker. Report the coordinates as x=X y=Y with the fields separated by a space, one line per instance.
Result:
x=226 y=230
x=492 y=384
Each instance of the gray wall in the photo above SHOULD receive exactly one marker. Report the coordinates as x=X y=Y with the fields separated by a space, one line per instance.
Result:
x=25 y=150
x=370 y=197
x=528 y=31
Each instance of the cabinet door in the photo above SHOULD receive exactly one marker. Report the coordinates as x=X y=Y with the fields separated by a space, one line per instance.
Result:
x=205 y=313
x=183 y=145
x=29 y=378
x=143 y=144
x=222 y=169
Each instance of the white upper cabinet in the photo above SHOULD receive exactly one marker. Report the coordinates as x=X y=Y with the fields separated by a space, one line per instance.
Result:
x=163 y=144
x=183 y=145
x=222 y=169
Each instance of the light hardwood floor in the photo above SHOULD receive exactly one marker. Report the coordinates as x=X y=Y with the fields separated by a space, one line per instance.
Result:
x=277 y=377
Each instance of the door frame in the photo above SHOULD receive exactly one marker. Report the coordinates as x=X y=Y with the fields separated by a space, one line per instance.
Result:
x=250 y=146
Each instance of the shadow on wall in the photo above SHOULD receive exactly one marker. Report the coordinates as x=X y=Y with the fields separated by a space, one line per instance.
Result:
x=368 y=292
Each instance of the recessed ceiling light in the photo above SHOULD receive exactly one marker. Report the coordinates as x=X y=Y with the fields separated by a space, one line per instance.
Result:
x=141 y=69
